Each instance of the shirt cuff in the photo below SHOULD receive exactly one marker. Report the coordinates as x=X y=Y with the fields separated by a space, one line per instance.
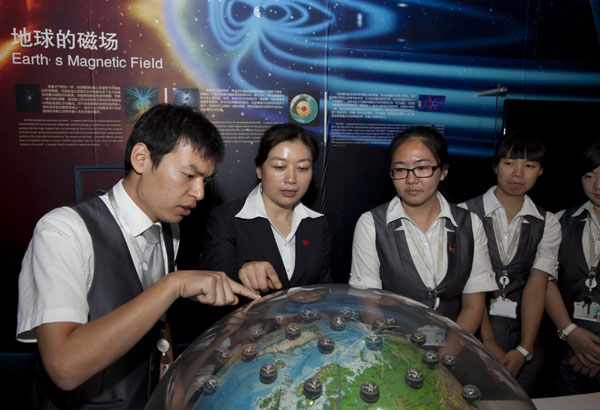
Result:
x=355 y=280
x=547 y=266
x=481 y=283
x=26 y=329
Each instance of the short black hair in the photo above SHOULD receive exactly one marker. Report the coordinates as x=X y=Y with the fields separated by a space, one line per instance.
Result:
x=163 y=126
x=279 y=133
x=429 y=136
x=590 y=160
x=521 y=144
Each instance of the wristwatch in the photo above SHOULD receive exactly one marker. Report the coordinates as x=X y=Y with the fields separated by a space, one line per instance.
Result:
x=524 y=352
x=562 y=334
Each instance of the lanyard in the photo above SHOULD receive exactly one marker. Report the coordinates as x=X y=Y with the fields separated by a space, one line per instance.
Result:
x=594 y=257
x=431 y=269
x=590 y=281
x=505 y=254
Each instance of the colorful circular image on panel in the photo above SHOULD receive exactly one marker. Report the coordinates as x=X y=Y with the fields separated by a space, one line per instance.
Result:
x=304 y=108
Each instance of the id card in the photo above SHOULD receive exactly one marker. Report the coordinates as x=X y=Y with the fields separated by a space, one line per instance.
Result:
x=581 y=311
x=503 y=307
x=434 y=336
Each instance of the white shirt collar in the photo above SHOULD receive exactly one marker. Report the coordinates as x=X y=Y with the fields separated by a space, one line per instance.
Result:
x=254 y=207
x=132 y=217
x=585 y=207
x=396 y=210
x=588 y=206
x=491 y=205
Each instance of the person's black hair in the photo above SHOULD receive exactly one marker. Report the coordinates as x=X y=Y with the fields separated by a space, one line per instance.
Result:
x=590 y=160
x=521 y=145
x=163 y=126
x=279 y=133
x=429 y=136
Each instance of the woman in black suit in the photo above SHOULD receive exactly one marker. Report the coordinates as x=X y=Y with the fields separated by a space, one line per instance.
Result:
x=270 y=240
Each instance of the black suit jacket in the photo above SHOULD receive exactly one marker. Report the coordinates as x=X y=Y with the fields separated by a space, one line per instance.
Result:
x=234 y=241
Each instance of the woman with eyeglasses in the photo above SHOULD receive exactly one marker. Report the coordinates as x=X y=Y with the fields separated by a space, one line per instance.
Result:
x=419 y=245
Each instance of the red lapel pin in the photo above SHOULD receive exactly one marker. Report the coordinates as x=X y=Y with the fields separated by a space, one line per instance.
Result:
x=304 y=242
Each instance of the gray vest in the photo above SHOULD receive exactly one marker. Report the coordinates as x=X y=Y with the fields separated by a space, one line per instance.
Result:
x=519 y=267
x=128 y=382
x=573 y=269
x=399 y=274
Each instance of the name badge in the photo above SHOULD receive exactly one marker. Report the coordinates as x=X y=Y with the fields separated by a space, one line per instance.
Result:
x=585 y=311
x=503 y=307
x=434 y=336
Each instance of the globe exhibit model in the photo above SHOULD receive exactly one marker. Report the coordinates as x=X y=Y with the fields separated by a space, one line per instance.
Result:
x=336 y=347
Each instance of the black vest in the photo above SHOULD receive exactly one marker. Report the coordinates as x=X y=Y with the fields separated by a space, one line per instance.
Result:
x=519 y=267
x=399 y=274
x=128 y=382
x=573 y=269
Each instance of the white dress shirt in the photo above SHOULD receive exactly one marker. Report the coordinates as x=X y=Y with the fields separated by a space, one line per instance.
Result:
x=546 y=257
x=58 y=266
x=365 y=261
x=254 y=207
x=592 y=226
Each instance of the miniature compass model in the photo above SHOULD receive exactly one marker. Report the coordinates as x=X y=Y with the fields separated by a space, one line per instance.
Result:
x=326 y=345
x=268 y=373
x=379 y=324
x=369 y=392
x=471 y=393
x=449 y=361
x=338 y=323
x=349 y=313
x=418 y=338
x=414 y=378
x=309 y=315
x=248 y=352
x=210 y=384
x=373 y=341
x=223 y=357
x=256 y=332
x=430 y=358
x=313 y=388
x=292 y=331
x=336 y=346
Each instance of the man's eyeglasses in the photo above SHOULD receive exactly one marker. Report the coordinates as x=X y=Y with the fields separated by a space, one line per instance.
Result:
x=424 y=171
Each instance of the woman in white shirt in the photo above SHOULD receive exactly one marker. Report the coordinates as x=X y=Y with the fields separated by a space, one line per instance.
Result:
x=270 y=240
x=573 y=302
x=419 y=245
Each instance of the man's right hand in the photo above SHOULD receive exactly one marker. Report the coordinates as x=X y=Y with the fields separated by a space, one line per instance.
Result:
x=259 y=276
x=211 y=287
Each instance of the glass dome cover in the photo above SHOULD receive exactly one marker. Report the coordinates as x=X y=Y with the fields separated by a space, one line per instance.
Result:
x=336 y=346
